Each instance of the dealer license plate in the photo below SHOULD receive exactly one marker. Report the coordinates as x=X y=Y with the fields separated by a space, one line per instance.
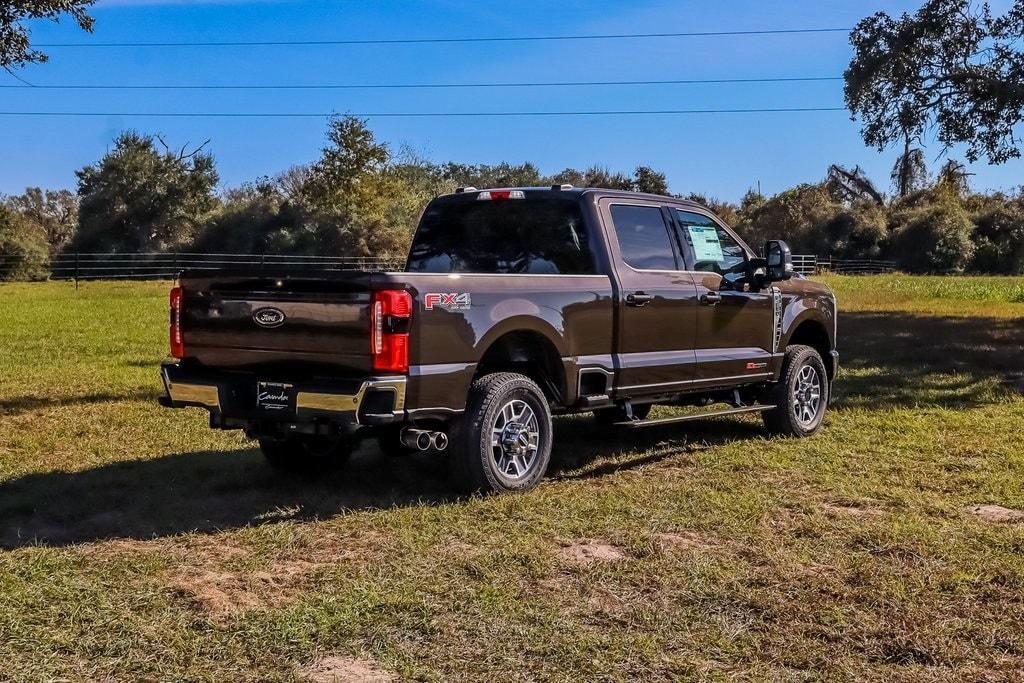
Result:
x=273 y=396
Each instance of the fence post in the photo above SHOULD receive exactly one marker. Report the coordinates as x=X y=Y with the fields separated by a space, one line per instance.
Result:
x=76 y=271
x=263 y=259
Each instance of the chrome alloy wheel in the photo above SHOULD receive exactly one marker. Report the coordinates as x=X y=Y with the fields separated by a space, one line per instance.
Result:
x=515 y=437
x=807 y=395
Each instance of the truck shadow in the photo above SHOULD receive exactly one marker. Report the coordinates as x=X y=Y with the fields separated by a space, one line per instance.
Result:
x=217 y=490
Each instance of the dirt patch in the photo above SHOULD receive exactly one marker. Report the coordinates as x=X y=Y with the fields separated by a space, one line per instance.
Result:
x=590 y=551
x=853 y=509
x=684 y=540
x=222 y=593
x=604 y=602
x=997 y=514
x=345 y=670
x=213 y=574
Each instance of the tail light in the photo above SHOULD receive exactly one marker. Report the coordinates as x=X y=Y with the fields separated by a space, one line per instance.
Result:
x=389 y=330
x=177 y=337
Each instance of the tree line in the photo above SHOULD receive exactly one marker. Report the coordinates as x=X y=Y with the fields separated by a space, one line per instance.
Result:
x=361 y=198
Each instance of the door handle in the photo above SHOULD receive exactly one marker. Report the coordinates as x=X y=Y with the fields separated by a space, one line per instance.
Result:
x=638 y=299
x=711 y=299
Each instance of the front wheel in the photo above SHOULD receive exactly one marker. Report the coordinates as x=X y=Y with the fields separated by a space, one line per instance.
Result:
x=302 y=453
x=800 y=397
x=503 y=440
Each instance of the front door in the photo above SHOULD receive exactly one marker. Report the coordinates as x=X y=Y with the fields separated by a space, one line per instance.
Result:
x=656 y=301
x=735 y=325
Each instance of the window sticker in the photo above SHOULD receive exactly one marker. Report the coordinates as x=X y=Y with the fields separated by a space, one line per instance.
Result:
x=706 y=246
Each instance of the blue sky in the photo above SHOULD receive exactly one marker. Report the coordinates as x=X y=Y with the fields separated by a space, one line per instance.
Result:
x=721 y=155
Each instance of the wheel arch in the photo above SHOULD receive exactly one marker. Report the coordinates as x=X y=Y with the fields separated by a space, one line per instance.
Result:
x=531 y=353
x=810 y=331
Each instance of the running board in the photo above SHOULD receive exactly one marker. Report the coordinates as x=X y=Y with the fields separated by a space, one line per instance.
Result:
x=636 y=424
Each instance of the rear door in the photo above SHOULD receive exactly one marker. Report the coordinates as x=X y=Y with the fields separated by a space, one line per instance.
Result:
x=735 y=324
x=656 y=299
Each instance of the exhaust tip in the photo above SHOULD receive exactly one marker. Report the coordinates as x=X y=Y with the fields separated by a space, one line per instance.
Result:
x=423 y=441
x=440 y=441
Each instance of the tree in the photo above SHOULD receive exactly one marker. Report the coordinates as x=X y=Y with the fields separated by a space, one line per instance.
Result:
x=646 y=179
x=140 y=198
x=910 y=172
x=23 y=248
x=353 y=194
x=15 y=47
x=951 y=66
x=852 y=186
x=55 y=212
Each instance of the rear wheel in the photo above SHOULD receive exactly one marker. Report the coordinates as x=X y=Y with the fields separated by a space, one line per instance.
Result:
x=503 y=440
x=801 y=395
x=302 y=453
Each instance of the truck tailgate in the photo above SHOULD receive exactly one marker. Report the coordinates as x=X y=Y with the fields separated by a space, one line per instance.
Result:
x=245 y=320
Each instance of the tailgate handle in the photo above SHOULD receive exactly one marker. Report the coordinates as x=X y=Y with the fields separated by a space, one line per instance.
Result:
x=711 y=298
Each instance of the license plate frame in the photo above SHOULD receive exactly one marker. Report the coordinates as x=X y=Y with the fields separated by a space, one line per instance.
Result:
x=275 y=397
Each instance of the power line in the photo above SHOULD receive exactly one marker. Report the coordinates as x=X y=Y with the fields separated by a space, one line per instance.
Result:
x=503 y=114
x=425 y=41
x=407 y=86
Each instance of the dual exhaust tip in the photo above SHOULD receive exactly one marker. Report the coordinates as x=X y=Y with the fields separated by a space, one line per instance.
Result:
x=424 y=440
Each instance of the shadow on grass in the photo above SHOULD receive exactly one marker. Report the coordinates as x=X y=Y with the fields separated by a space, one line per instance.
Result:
x=900 y=359
x=203 y=491
x=23 y=404
x=214 y=490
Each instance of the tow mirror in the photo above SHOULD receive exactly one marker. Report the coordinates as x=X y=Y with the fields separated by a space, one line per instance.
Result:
x=779 y=261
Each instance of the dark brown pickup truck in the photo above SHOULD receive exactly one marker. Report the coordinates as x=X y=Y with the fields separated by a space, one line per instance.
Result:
x=515 y=304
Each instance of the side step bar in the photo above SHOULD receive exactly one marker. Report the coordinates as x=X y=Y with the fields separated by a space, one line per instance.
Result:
x=636 y=424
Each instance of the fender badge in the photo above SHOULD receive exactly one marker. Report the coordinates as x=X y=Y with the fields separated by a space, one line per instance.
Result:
x=269 y=317
x=449 y=301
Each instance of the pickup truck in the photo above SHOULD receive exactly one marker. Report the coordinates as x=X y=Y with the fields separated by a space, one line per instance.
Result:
x=514 y=305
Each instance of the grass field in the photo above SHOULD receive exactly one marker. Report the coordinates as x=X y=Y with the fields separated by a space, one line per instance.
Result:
x=136 y=544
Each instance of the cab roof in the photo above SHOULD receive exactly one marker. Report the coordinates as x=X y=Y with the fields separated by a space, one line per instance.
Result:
x=577 y=192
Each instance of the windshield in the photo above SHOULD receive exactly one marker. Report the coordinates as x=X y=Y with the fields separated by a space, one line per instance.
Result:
x=538 y=235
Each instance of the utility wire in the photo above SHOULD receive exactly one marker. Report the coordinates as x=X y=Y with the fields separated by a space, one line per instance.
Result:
x=405 y=86
x=425 y=41
x=628 y=112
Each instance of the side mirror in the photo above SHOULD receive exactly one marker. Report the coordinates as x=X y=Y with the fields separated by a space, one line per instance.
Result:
x=779 y=261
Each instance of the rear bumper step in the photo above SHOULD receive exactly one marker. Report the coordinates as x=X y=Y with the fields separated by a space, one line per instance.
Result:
x=637 y=424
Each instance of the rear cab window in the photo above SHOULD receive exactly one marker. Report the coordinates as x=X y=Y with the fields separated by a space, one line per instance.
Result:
x=537 y=235
x=644 y=239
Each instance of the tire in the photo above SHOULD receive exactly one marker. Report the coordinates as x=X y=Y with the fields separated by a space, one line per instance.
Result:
x=609 y=416
x=799 y=409
x=307 y=454
x=513 y=406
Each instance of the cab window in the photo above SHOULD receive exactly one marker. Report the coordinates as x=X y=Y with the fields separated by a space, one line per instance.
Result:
x=644 y=240
x=714 y=249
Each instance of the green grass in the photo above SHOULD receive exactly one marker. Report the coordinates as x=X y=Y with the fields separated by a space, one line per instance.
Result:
x=942 y=293
x=137 y=544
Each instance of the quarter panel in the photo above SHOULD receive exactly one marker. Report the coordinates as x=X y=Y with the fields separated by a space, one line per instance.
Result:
x=574 y=312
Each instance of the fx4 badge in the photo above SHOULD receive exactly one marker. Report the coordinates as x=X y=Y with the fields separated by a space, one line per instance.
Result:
x=449 y=301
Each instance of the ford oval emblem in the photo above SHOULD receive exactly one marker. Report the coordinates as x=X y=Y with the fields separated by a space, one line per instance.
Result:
x=269 y=317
